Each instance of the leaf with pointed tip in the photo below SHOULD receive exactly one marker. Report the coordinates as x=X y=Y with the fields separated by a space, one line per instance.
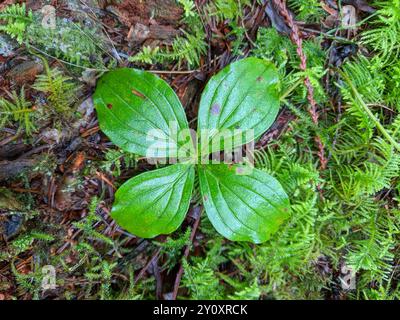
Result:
x=244 y=96
x=243 y=207
x=135 y=109
x=154 y=202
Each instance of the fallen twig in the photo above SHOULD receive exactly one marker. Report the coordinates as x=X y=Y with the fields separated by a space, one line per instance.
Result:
x=147 y=266
x=186 y=252
x=297 y=40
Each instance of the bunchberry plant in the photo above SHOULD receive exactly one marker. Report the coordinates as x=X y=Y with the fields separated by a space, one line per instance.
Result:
x=137 y=111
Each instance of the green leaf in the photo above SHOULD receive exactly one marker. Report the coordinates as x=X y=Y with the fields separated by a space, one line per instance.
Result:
x=154 y=202
x=243 y=207
x=135 y=109
x=244 y=95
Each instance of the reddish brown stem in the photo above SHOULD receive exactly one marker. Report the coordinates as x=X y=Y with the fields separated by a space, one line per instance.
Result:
x=297 y=40
x=186 y=254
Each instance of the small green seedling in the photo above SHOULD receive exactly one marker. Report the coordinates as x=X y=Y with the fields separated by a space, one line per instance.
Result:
x=137 y=109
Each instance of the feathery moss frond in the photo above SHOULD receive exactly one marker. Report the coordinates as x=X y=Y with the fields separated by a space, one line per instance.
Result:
x=18 y=110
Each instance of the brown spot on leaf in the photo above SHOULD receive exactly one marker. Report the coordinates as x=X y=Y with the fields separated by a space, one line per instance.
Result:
x=215 y=109
x=259 y=79
x=138 y=94
x=109 y=106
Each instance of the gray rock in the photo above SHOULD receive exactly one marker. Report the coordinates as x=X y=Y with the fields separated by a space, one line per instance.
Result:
x=7 y=46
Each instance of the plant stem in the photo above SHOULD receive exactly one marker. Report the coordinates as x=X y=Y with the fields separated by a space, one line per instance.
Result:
x=369 y=113
x=291 y=89
x=18 y=111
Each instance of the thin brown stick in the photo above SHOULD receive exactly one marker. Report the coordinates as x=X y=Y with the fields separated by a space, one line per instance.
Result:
x=105 y=179
x=297 y=40
x=186 y=253
x=147 y=266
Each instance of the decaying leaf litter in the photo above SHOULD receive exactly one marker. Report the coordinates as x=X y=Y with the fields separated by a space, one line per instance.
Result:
x=59 y=172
